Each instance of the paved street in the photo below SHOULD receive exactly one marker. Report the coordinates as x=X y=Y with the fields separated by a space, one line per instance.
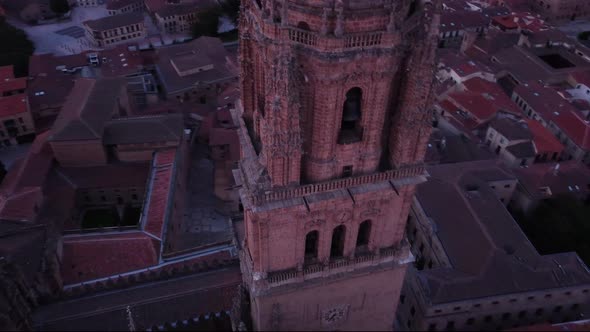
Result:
x=61 y=38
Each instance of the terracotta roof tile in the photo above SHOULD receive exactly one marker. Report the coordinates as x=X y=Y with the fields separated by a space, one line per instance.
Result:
x=157 y=200
x=544 y=140
x=87 y=257
x=13 y=105
x=562 y=180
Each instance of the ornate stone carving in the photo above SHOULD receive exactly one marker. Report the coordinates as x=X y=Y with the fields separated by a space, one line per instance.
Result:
x=335 y=315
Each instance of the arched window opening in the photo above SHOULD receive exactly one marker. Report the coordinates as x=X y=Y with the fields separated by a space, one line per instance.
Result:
x=337 y=248
x=350 y=127
x=311 y=246
x=362 y=239
x=303 y=26
x=413 y=8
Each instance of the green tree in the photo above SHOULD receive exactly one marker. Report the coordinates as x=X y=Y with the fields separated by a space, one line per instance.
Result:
x=207 y=24
x=16 y=48
x=559 y=224
x=59 y=6
x=231 y=9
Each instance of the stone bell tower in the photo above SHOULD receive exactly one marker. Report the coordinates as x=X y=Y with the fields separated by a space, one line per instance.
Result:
x=334 y=120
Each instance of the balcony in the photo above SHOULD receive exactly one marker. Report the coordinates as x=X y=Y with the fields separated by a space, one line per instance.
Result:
x=397 y=254
x=281 y=194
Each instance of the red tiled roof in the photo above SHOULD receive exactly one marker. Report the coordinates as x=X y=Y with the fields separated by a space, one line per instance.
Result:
x=522 y=20
x=575 y=127
x=483 y=99
x=87 y=257
x=120 y=61
x=12 y=84
x=544 y=100
x=6 y=72
x=582 y=77
x=161 y=185
x=12 y=105
x=544 y=140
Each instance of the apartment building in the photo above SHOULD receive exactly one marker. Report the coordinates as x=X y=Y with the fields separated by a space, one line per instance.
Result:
x=118 y=29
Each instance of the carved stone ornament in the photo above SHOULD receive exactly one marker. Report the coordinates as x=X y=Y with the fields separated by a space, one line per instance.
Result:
x=317 y=222
x=334 y=315
x=344 y=216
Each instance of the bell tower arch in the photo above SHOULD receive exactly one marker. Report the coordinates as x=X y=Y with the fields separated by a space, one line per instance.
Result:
x=334 y=120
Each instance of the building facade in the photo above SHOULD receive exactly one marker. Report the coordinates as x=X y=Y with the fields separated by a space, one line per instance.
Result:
x=117 y=7
x=500 y=282
x=16 y=121
x=118 y=29
x=561 y=10
x=334 y=120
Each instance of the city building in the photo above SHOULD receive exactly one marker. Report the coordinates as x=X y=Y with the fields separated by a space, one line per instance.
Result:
x=326 y=186
x=543 y=181
x=117 y=7
x=512 y=141
x=554 y=11
x=196 y=70
x=180 y=18
x=475 y=269
x=16 y=122
x=89 y=3
x=566 y=122
x=118 y=29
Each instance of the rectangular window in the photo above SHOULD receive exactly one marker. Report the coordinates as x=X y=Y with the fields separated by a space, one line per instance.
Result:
x=347 y=171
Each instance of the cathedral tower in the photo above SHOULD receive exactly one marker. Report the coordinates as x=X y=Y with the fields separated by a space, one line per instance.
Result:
x=334 y=120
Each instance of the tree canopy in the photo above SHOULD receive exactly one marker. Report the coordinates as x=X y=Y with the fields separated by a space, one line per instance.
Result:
x=59 y=6
x=560 y=224
x=16 y=48
x=207 y=24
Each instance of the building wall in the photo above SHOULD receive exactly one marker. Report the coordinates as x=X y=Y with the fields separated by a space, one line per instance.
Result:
x=416 y=311
x=120 y=35
x=176 y=23
x=79 y=153
x=132 y=7
x=87 y=3
x=88 y=197
x=14 y=126
x=561 y=10
x=357 y=303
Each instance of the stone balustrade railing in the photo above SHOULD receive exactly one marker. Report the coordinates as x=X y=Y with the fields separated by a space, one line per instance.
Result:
x=284 y=277
x=281 y=194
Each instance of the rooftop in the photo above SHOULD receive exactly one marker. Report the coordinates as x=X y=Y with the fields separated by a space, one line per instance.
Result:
x=144 y=129
x=511 y=129
x=208 y=48
x=120 y=175
x=88 y=107
x=87 y=257
x=544 y=140
x=500 y=259
x=568 y=177
x=118 y=4
x=13 y=105
x=115 y=21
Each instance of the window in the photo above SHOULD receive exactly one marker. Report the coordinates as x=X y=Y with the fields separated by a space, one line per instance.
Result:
x=347 y=171
x=350 y=129
x=412 y=311
x=470 y=321
x=495 y=302
x=557 y=309
x=531 y=298
x=402 y=299
x=457 y=308
x=337 y=247
x=134 y=197
x=522 y=314
x=539 y=312
x=450 y=325
x=506 y=186
x=477 y=305
x=311 y=246
x=103 y=198
x=547 y=296
x=432 y=327
x=506 y=316
x=488 y=319
x=575 y=306
x=20 y=120
x=362 y=238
